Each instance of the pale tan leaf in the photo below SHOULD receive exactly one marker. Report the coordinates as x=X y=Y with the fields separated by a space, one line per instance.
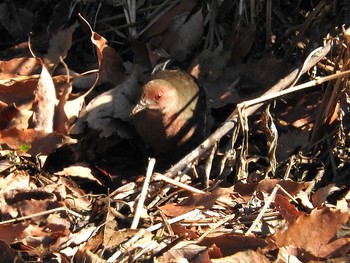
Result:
x=45 y=101
x=81 y=170
x=113 y=104
x=59 y=45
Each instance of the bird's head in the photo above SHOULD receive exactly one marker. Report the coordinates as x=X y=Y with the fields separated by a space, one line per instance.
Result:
x=158 y=95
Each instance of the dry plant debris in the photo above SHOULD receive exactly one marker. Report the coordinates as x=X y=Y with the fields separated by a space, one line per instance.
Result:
x=270 y=182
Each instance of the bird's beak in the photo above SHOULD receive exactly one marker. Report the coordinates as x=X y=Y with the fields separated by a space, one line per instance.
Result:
x=142 y=105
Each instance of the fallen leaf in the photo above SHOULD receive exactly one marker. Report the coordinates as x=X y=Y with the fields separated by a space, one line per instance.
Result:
x=38 y=141
x=81 y=170
x=232 y=243
x=45 y=101
x=111 y=67
x=286 y=209
x=59 y=46
x=315 y=232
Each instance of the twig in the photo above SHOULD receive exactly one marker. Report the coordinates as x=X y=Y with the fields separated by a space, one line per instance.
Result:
x=141 y=201
x=140 y=233
x=216 y=225
x=55 y=210
x=193 y=213
x=306 y=85
x=208 y=166
x=263 y=210
x=186 y=187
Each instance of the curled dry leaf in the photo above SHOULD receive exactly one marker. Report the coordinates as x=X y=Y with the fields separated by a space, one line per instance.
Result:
x=321 y=195
x=44 y=104
x=111 y=67
x=286 y=209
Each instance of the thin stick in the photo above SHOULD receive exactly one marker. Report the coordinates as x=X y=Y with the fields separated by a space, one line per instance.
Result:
x=140 y=233
x=193 y=213
x=55 y=210
x=142 y=198
x=263 y=210
x=306 y=85
x=186 y=187
x=216 y=225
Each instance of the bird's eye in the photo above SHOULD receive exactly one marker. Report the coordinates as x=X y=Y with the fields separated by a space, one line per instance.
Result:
x=158 y=96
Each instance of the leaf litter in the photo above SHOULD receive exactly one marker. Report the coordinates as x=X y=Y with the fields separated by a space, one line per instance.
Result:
x=269 y=184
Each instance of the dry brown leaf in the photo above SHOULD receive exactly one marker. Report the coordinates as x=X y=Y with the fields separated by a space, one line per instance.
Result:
x=188 y=35
x=13 y=233
x=18 y=91
x=75 y=198
x=315 y=232
x=286 y=209
x=59 y=45
x=111 y=65
x=82 y=235
x=174 y=210
x=207 y=200
x=17 y=67
x=182 y=231
x=247 y=256
x=7 y=113
x=60 y=121
x=203 y=201
x=232 y=243
x=243 y=192
x=38 y=141
x=184 y=252
x=321 y=195
x=113 y=237
x=83 y=255
x=292 y=187
x=217 y=77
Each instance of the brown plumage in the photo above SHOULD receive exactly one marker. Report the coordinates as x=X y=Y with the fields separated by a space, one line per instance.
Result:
x=170 y=115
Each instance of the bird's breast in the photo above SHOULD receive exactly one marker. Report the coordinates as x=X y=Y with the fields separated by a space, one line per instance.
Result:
x=151 y=125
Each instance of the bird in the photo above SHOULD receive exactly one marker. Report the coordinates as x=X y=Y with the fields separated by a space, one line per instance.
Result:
x=170 y=115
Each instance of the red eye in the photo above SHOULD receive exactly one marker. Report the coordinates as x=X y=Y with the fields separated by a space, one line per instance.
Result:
x=158 y=96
